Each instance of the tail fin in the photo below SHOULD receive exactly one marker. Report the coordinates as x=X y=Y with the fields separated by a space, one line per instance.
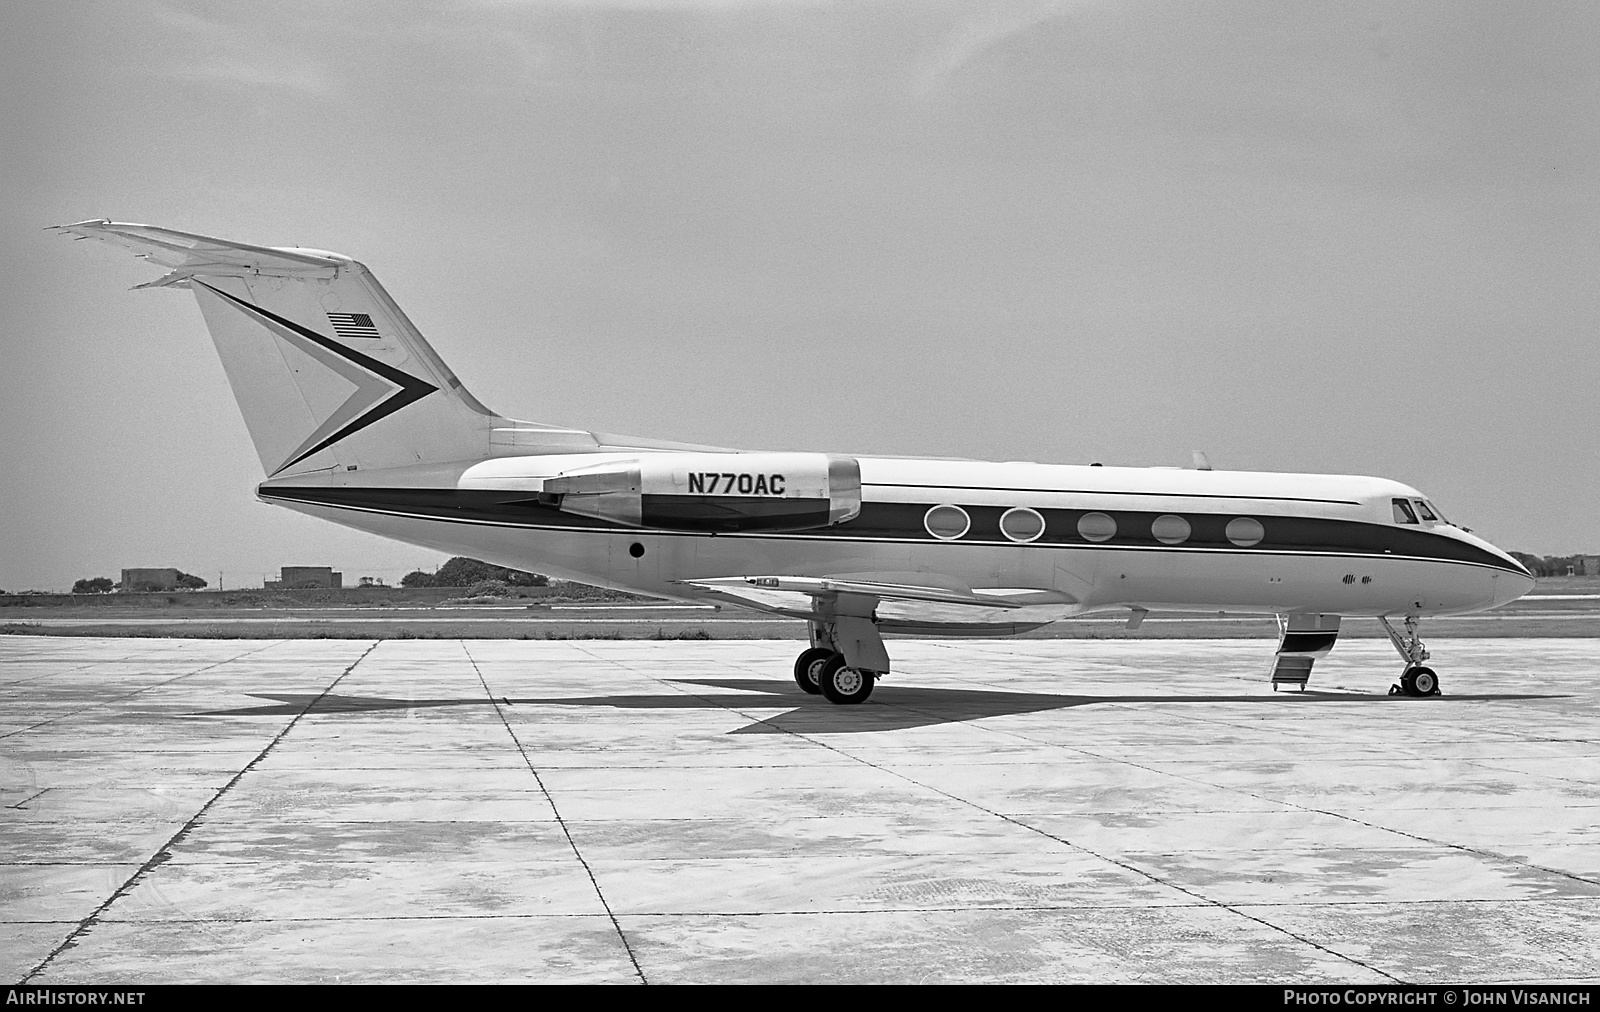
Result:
x=328 y=372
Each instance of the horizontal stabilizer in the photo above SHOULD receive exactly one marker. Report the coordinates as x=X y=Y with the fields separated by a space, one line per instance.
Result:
x=189 y=254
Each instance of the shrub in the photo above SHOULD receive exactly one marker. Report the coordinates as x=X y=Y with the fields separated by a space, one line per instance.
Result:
x=464 y=572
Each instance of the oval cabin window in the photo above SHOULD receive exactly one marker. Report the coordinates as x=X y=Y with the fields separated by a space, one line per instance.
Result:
x=1170 y=530
x=1244 y=531
x=1097 y=527
x=947 y=522
x=1021 y=524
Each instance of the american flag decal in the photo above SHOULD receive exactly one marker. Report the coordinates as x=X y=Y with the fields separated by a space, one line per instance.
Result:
x=352 y=325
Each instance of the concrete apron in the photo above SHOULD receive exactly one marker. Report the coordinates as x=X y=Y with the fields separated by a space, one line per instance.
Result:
x=328 y=810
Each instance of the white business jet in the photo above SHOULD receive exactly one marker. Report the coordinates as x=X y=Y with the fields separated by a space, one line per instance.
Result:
x=357 y=420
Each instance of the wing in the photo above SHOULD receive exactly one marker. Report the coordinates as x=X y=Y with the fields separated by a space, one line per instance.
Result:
x=924 y=606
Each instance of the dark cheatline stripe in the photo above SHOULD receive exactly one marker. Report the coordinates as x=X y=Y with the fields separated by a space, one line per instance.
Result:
x=903 y=522
x=1208 y=530
x=731 y=513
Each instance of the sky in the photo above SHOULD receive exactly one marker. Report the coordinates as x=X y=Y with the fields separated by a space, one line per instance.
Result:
x=1346 y=238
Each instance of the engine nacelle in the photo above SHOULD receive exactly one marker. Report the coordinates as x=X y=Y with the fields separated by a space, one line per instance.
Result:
x=715 y=491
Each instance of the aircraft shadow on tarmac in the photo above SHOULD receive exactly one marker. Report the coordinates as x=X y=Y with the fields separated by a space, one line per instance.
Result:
x=891 y=708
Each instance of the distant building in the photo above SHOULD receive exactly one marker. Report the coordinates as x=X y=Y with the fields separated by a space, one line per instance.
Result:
x=297 y=577
x=1589 y=565
x=149 y=579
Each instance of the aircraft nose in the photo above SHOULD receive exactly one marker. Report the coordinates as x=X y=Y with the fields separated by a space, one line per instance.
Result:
x=1510 y=586
x=1511 y=579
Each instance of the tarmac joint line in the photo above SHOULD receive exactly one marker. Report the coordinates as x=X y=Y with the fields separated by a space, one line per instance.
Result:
x=560 y=820
x=163 y=853
x=1480 y=852
x=135 y=692
x=24 y=802
x=1200 y=898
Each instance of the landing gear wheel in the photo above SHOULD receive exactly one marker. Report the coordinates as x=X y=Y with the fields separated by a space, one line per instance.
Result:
x=808 y=669
x=843 y=684
x=1426 y=682
x=1419 y=681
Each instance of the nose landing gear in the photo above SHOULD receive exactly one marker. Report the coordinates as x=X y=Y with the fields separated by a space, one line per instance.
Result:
x=1416 y=680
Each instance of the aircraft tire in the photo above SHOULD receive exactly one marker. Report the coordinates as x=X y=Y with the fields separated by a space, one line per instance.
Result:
x=808 y=669
x=1424 y=682
x=1419 y=681
x=843 y=684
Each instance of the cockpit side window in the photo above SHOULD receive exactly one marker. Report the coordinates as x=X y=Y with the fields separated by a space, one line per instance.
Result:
x=1403 y=513
x=1425 y=512
x=1436 y=512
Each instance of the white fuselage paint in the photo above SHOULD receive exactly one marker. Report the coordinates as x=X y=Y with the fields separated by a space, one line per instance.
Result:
x=1094 y=577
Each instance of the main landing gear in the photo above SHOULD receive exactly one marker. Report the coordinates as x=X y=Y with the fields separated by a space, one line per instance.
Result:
x=822 y=671
x=1417 y=679
x=845 y=661
x=808 y=669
